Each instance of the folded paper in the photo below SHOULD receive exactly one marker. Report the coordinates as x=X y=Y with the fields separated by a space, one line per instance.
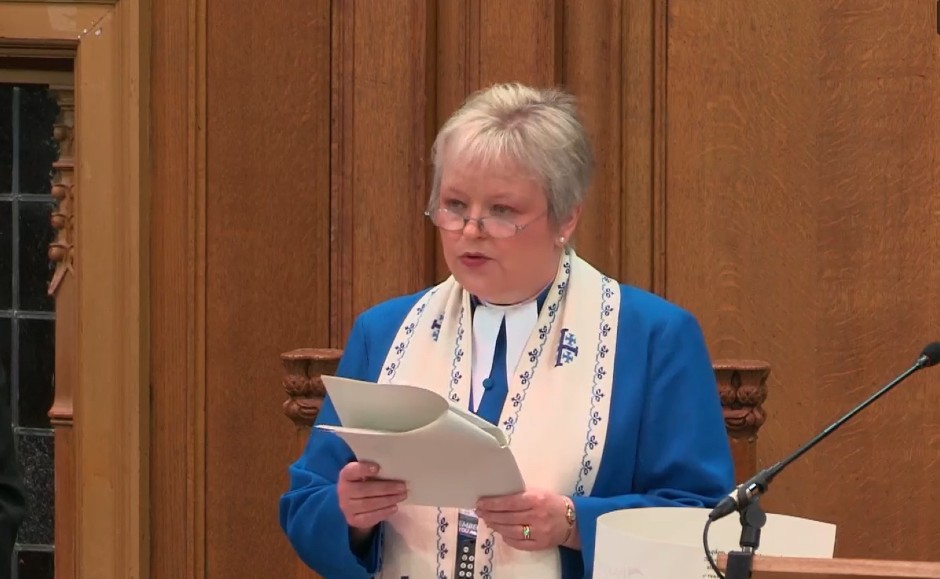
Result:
x=446 y=455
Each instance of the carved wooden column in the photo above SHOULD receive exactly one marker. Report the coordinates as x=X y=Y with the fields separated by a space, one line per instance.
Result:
x=302 y=382
x=64 y=288
x=61 y=251
x=742 y=385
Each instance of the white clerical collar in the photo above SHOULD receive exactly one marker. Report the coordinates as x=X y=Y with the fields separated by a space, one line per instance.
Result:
x=520 y=320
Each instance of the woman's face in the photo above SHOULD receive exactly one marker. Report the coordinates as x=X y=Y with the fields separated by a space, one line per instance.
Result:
x=506 y=270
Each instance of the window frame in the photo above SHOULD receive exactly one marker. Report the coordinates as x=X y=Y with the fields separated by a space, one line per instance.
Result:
x=100 y=414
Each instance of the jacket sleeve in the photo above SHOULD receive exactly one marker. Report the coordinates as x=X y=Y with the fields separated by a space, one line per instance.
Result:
x=309 y=511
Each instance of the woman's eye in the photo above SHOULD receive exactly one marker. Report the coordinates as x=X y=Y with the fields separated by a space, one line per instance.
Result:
x=454 y=204
x=501 y=210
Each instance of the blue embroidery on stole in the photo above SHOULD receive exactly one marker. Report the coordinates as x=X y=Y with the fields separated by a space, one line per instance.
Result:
x=402 y=347
x=442 y=525
x=455 y=375
x=596 y=392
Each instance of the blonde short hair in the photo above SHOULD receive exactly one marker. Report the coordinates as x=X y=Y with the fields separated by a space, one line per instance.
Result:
x=538 y=128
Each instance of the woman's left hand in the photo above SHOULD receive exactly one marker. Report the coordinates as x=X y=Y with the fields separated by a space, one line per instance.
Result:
x=541 y=512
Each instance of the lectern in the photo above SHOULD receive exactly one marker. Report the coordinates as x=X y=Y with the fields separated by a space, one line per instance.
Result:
x=666 y=542
x=803 y=566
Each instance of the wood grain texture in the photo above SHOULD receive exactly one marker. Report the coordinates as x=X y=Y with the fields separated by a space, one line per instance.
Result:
x=388 y=120
x=572 y=44
x=520 y=41
x=102 y=527
x=112 y=394
x=878 y=250
x=642 y=77
x=267 y=260
x=35 y=30
x=592 y=51
x=177 y=286
x=62 y=415
x=457 y=74
x=342 y=89
x=810 y=567
x=802 y=229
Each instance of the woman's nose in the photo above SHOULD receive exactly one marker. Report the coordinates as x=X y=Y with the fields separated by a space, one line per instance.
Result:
x=473 y=227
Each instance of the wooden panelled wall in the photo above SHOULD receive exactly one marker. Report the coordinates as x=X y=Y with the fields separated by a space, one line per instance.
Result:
x=771 y=166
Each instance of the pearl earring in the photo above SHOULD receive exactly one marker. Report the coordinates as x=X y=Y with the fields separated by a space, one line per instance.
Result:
x=561 y=240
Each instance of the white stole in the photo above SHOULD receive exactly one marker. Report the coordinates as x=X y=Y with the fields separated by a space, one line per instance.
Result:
x=555 y=415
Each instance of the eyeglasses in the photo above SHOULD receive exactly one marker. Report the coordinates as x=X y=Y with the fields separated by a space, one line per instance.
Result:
x=496 y=227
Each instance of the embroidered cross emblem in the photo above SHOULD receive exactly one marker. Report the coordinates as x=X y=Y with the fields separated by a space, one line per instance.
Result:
x=436 y=327
x=567 y=348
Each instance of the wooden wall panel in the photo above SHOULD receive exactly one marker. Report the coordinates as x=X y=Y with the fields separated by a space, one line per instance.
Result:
x=801 y=224
x=520 y=41
x=642 y=69
x=177 y=286
x=112 y=394
x=878 y=250
x=592 y=55
x=750 y=156
x=382 y=241
x=742 y=115
x=267 y=256
x=572 y=44
x=457 y=74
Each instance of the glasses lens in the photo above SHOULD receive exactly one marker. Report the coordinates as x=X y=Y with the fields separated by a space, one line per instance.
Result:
x=447 y=220
x=492 y=226
x=497 y=227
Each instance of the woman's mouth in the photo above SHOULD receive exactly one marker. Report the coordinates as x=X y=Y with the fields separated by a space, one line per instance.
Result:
x=472 y=259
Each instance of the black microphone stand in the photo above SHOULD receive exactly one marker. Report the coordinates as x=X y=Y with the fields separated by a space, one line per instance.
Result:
x=740 y=562
x=747 y=500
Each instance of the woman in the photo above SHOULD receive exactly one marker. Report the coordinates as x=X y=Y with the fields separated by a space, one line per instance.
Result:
x=606 y=393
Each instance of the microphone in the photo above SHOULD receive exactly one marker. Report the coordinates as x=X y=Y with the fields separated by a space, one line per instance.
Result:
x=746 y=492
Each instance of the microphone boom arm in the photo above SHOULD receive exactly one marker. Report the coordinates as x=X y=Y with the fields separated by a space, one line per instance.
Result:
x=757 y=485
x=745 y=498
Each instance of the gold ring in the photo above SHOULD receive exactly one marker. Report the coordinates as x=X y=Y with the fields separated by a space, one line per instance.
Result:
x=526 y=533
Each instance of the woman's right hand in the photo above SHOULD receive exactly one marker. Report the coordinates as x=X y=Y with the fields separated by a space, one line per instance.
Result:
x=364 y=500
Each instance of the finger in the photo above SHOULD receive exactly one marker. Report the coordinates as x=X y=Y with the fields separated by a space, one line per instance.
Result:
x=374 y=488
x=367 y=505
x=506 y=518
x=358 y=471
x=513 y=532
x=371 y=518
x=515 y=537
x=518 y=502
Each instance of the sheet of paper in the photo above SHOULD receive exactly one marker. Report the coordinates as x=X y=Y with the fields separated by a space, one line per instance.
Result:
x=446 y=455
x=665 y=543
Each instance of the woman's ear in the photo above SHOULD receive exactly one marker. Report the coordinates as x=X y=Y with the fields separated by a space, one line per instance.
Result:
x=566 y=228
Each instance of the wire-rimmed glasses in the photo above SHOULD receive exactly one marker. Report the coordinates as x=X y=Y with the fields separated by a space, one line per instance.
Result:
x=493 y=226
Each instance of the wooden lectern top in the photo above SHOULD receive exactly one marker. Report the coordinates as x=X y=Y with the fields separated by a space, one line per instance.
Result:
x=843 y=567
